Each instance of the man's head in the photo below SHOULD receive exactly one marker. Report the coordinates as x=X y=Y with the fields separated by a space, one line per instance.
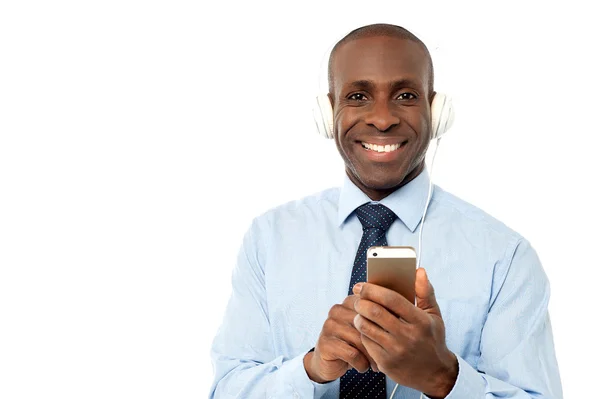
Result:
x=381 y=88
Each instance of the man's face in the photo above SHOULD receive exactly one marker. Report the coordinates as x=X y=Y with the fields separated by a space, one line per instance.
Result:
x=381 y=101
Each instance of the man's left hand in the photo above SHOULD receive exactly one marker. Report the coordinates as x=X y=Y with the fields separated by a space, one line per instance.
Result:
x=407 y=342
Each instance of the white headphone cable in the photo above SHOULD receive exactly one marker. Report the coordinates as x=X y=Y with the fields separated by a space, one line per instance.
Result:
x=437 y=144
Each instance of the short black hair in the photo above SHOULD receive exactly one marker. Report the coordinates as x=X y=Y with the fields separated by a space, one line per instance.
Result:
x=379 y=30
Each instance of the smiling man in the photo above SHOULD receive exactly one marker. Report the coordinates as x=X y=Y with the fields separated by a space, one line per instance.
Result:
x=302 y=324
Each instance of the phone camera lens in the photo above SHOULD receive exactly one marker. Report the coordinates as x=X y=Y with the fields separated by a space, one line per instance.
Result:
x=374 y=253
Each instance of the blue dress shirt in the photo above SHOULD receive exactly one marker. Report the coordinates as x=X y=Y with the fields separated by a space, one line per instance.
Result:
x=295 y=264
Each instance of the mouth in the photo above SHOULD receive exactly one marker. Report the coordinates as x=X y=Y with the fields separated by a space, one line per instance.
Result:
x=383 y=148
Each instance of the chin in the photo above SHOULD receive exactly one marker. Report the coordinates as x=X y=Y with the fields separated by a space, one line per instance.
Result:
x=387 y=184
x=381 y=180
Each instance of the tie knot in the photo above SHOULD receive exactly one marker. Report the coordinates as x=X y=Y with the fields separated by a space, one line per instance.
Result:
x=375 y=216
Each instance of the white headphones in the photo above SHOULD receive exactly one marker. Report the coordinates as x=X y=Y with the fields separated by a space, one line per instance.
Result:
x=442 y=115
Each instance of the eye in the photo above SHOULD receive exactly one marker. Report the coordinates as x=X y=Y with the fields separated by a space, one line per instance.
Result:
x=407 y=96
x=357 y=97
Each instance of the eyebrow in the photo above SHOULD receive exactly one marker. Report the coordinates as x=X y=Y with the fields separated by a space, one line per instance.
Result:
x=369 y=84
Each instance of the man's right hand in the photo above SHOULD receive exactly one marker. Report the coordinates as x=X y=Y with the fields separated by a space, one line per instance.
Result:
x=339 y=347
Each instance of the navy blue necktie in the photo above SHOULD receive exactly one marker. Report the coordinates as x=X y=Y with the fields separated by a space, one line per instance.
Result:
x=376 y=219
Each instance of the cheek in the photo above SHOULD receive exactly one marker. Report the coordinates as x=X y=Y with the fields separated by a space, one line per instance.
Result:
x=421 y=127
x=424 y=124
x=420 y=123
x=346 y=124
x=342 y=124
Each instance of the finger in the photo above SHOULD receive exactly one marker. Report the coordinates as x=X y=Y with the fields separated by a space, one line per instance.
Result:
x=376 y=350
x=348 y=334
x=392 y=301
x=349 y=301
x=425 y=293
x=334 y=348
x=379 y=315
x=343 y=314
x=373 y=331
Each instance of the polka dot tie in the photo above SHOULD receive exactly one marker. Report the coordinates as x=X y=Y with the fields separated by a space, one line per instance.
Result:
x=376 y=219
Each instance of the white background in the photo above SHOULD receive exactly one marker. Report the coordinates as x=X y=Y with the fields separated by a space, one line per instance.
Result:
x=138 y=139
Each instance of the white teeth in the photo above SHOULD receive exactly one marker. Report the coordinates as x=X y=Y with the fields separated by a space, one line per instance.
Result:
x=381 y=148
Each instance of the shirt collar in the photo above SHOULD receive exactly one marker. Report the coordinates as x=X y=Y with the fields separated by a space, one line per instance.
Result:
x=408 y=202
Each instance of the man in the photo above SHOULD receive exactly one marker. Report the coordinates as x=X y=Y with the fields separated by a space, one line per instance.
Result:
x=297 y=325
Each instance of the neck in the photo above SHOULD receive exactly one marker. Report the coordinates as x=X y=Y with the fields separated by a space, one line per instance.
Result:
x=376 y=194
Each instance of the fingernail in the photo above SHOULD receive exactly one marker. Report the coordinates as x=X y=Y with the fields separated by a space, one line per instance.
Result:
x=358 y=287
x=374 y=367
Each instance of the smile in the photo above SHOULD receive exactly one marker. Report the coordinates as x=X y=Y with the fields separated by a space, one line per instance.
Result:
x=382 y=148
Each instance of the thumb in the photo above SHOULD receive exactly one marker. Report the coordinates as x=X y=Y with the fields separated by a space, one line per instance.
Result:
x=425 y=293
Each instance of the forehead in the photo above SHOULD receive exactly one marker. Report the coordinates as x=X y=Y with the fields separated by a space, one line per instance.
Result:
x=380 y=59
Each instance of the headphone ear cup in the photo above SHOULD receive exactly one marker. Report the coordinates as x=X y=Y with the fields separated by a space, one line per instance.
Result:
x=323 y=114
x=442 y=115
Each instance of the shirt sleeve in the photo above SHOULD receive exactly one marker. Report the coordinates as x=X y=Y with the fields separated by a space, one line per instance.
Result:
x=244 y=362
x=517 y=358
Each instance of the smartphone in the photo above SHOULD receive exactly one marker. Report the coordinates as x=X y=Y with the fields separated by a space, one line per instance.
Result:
x=394 y=268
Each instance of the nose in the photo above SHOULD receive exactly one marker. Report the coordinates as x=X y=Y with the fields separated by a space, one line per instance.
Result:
x=381 y=116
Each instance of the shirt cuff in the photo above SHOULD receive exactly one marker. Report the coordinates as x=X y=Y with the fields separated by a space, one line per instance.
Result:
x=302 y=385
x=469 y=383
